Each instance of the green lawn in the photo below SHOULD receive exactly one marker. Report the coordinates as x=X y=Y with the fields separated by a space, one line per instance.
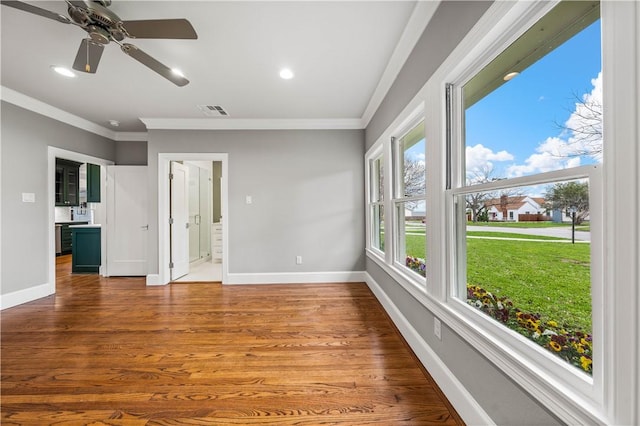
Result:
x=547 y=278
x=552 y=279
x=511 y=235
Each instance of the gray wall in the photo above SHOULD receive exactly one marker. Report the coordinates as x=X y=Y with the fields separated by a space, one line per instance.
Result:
x=25 y=137
x=308 y=196
x=450 y=23
x=131 y=153
x=502 y=399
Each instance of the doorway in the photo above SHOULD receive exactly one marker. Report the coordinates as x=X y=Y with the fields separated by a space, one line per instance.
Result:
x=99 y=209
x=205 y=242
x=196 y=196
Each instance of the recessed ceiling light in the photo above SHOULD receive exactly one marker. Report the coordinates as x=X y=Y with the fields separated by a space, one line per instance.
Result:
x=286 y=74
x=510 y=75
x=177 y=72
x=114 y=123
x=63 y=71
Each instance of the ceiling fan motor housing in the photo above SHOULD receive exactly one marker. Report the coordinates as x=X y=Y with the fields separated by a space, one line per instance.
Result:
x=101 y=23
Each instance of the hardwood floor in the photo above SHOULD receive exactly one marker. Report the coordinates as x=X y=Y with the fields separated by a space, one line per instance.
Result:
x=113 y=351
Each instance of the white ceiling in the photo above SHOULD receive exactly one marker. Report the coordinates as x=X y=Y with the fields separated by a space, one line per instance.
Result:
x=345 y=55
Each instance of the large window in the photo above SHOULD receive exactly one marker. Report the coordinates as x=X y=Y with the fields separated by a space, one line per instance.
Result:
x=409 y=199
x=526 y=173
x=531 y=116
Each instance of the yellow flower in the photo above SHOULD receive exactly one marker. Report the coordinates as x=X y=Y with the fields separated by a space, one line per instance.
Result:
x=585 y=362
x=552 y=323
x=555 y=346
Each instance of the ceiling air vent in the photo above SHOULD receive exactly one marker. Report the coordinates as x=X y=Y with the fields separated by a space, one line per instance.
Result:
x=213 y=110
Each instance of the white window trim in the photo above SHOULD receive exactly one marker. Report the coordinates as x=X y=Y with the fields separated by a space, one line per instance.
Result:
x=397 y=157
x=373 y=154
x=620 y=391
x=408 y=119
x=567 y=392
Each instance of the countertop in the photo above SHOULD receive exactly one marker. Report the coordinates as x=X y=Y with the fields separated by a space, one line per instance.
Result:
x=93 y=225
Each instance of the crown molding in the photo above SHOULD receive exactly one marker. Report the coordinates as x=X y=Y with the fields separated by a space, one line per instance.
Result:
x=251 y=124
x=23 y=101
x=132 y=136
x=420 y=18
x=39 y=107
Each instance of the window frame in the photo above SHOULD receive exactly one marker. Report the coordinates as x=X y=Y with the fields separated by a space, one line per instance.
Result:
x=397 y=197
x=551 y=380
x=371 y=188
x=410 y=118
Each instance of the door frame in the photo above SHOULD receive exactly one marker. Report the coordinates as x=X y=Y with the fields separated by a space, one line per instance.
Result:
x=164 y=248
x=52 y=153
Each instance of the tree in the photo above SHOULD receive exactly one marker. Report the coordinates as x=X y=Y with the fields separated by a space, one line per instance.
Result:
x=585 y=124
x=569 y=195
x=413 y=180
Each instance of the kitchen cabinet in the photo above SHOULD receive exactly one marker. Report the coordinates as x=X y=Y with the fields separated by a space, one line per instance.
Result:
x=93 y=183
x=86 y=248
x=66 y=242
x=67 y=182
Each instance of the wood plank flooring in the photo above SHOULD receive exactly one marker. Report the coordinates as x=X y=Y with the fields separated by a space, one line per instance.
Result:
x=113 y=351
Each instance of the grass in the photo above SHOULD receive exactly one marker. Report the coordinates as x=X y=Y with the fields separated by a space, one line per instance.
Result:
x=547 y=278
x=539 y=277
x=512 y=235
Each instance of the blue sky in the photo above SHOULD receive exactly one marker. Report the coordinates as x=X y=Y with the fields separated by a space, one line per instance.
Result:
x=517 y=124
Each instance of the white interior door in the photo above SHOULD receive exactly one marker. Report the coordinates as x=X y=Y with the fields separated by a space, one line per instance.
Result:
x=127 y=221
x=179 y=220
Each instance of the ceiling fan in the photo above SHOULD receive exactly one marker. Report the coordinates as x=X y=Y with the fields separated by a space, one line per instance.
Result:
x=104 y=26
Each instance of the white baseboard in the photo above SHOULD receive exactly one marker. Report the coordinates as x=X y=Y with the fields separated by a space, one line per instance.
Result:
x=154 y=279
x=464 y=403
x=296 y=277
x=30 y=294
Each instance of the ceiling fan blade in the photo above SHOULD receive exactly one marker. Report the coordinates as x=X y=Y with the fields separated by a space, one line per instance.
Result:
x=154 y=64
x=36 y=11
x=78 y=3
x=161 y=28
x=88 y=56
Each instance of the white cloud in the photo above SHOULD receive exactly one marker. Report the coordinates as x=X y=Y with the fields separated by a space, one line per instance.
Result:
x=479 y=157
x=550 y=155
x=582 y=138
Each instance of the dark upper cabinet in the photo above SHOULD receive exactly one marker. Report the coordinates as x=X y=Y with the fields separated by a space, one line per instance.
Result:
x=93 y=183
x=67 y=182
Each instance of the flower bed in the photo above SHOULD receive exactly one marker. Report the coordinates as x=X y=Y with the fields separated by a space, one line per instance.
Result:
x=416 y=264
x=574 y=346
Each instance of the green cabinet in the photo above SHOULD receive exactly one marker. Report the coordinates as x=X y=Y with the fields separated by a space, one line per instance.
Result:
x=93 y=183
x=65 y=236
x=86 y=254
x=67 y=182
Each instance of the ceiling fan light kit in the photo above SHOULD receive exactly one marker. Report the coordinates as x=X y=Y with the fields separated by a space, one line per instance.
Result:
x=104 y=26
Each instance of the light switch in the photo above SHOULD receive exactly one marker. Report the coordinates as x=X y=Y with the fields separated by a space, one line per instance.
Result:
x=248 y=199
x=28 y=197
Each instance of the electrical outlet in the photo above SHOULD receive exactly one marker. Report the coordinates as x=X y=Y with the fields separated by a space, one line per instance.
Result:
x=437 y=328
x=298 y=260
